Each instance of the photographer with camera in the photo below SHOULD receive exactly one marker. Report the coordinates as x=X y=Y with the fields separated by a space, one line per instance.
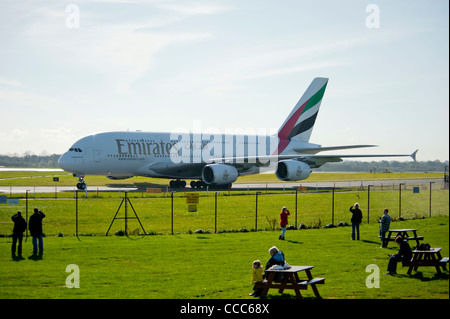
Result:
x=20 y=225
x=35 y=226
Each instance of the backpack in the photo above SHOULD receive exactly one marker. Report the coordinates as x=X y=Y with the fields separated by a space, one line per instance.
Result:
x=424 y=246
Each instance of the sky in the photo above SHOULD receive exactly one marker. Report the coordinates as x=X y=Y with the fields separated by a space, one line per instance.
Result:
x=72 y=68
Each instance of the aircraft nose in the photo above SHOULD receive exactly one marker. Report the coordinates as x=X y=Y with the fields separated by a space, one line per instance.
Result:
x=64 y=162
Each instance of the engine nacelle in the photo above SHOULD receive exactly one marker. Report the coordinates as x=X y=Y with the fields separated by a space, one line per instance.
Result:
x=292 y=170
x=219 y=174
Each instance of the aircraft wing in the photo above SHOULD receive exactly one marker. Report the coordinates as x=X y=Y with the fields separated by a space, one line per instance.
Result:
x=314 y=150
x=314 y=161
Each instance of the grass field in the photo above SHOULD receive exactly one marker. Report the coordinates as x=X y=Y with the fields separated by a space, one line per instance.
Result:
x=234 y=212
x=26 y=178
x=218 y=266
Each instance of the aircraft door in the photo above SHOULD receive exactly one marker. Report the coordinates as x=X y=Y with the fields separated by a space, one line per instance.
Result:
x=97 y=156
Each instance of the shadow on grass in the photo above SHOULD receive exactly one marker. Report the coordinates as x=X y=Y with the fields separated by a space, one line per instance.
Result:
x=283 y=296
x=294 y=242
x=419 y=275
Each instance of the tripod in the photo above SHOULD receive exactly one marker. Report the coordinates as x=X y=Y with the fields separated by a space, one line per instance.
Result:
x=127 y=201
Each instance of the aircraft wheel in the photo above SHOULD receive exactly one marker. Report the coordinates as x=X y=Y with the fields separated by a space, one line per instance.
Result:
x=81 y=186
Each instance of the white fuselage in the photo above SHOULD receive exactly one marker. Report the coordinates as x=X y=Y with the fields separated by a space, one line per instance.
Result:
x=167 y=155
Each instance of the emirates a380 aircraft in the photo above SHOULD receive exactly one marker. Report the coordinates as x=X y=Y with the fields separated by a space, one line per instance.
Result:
x=216 y=160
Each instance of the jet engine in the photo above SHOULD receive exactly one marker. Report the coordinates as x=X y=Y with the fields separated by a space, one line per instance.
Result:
x=219 y=174
x=292 y=170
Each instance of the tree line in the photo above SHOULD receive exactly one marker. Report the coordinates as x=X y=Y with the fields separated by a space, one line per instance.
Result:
x=51 y=161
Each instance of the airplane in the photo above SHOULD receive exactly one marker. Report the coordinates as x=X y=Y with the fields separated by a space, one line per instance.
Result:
x=210 y=160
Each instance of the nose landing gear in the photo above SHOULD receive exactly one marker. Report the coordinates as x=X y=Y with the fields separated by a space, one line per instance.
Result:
x=81 y=185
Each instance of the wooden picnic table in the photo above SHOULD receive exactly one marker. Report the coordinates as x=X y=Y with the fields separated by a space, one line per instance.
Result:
x=430 y=257
x=404 y=234
x=290 y=280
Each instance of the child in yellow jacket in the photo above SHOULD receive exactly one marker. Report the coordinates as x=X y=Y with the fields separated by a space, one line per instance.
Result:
x=257 y=276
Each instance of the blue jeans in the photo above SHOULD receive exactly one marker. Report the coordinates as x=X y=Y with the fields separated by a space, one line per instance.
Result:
x=35 y=244
x=283 y=231
x=383 y=238
x=355 y=227
x=392 y=265
x=17 y=237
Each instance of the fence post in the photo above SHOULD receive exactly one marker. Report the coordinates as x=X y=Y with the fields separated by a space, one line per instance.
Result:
x=430 y=197
x=332 y=206
x=400 y=200
x=76 y=213
x=172 y=211
x=368 y=203
x=296 y=191
x=215 y=212
x=256 y=212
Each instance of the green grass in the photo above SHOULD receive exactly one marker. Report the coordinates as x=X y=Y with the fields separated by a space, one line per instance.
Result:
x=234 y=212
x=65 y=179
x=218 y=266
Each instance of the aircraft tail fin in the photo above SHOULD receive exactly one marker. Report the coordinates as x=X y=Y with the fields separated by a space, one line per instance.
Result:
x=299 y=124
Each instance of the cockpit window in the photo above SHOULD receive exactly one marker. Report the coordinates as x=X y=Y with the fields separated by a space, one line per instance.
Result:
x=75 y=149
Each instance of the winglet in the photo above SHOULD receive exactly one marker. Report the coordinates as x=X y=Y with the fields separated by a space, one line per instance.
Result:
x=413 y=155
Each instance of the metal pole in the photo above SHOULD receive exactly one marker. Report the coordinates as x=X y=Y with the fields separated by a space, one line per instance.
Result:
x=26 y=214
x=256 y=212
x=172 y=212
x=126 y=224
x=332 y=206
x=400 y=200
x=296 y=191
x=76 y=212
x=430 y=197
x=368 y=203
x=215 y=212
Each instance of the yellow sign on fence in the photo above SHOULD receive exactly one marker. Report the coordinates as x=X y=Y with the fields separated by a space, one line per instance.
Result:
x=154 y=190
x=192 y=199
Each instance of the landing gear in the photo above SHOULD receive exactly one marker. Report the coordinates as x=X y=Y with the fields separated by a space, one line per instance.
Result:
x=177 y=184
x=198 y=184
x=81 y=185
x=202 y=184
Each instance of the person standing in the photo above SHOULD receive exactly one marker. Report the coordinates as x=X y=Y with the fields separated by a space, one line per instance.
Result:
x=35 y=226
x=384 y=227
x=283 y=222
x=20 y=225
x=356 y=220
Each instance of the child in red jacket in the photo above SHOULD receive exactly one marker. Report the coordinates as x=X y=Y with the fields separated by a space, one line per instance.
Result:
x=284 y=221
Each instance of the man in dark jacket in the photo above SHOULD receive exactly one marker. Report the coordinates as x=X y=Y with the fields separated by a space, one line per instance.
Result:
x=404 y=254
x=35 y=226
x=356 y=220
x=20 y=225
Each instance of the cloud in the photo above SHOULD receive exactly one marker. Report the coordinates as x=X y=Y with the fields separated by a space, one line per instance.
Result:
x=132 y=53
x=193 y=8
x=10 y=83
x=29 y=99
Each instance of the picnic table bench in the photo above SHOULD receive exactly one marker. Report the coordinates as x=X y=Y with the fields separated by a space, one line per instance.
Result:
x=290 y=280
x=430 y=257
x=404 y=234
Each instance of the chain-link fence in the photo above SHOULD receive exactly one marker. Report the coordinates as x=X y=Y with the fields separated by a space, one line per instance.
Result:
x=224 y=211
